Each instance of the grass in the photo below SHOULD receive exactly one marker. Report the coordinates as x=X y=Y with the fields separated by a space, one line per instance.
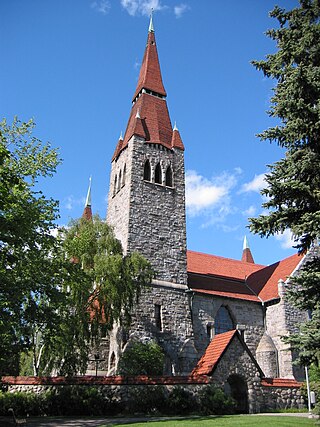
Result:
x=231 y=421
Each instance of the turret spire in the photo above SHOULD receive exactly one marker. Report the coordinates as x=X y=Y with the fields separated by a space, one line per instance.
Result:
x=246 y=252
x=87 y=212
x=151 y=28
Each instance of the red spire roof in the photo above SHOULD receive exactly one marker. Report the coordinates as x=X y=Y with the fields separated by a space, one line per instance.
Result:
x=150 y=73
x=87 y=212
x=149 y=117
x=176 y=139
x=246 y=253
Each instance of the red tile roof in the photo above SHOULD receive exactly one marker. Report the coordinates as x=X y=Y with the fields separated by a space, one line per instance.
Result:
x=265 y=281
x=155 y=121
x=221 y=287
x=114 y=380
x=150 y=73
x=280 y=382
x=219 y=266
x=213 y=353
x=214 y=275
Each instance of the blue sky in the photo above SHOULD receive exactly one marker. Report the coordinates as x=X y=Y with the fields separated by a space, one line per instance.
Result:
x=73 y=66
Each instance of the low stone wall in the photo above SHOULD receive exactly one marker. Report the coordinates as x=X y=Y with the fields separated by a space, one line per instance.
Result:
x=270 y=394
x=280 y=393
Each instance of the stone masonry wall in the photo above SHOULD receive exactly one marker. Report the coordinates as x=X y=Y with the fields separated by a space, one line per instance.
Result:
x=282 y=319
x=119 y=197
x=149 y=217
x=247 y=316
x=236 y=361
x=175 y=334
x=261 y=397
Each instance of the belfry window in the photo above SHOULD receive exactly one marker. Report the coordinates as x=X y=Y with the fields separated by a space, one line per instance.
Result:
x=119 y=182
x=115 y=185
x=223 y=321
x=158 y=174
x=147 y=171
x=169 y=177
x=124 y=175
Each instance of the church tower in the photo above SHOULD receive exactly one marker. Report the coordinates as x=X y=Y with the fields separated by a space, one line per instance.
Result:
x=146 y=208
x=146 y=204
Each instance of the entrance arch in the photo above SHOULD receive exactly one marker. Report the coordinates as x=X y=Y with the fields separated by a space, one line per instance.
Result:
x=238 y=390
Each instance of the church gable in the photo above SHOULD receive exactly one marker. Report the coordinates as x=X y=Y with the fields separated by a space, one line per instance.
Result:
x=228 y=349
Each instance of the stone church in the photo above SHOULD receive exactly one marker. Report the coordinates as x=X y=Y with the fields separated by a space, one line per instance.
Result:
x=199 y=306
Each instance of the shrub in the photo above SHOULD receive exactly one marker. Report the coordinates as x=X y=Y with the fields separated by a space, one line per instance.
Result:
x=181 y=401
x=212 y=400
x=142 y=359
x=147 y=400
x=68 y=400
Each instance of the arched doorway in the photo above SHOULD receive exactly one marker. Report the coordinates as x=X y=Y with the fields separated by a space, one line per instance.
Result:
x=239 y=392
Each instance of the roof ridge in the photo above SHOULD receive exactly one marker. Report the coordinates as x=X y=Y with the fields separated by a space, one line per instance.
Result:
x=227 y=258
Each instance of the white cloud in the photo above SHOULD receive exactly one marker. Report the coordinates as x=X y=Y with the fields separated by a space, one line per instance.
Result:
x=102 y=6
x=256 y=185
x=141 y=7
x=251 y=211
x=180 y=9
x=286 y=239
x=204 y=195
x=70 y=202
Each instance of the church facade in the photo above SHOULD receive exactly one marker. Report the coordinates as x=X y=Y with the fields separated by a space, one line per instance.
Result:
x=197 y=302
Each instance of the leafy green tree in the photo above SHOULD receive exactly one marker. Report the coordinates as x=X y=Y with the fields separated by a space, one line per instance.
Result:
x=293 y=183
x=142 y=359
x=101 y=287
x=27 y=245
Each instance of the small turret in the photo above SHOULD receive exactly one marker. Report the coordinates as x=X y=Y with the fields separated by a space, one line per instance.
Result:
x=246 y=253
x=87 y=212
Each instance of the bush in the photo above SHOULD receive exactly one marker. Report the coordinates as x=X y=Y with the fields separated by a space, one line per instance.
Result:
x=69 y=400
x=147 y=400
x=181 y=401
x=142 y=359
x=213 y=401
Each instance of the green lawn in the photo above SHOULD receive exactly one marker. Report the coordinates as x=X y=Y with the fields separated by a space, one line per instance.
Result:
x=232 y=421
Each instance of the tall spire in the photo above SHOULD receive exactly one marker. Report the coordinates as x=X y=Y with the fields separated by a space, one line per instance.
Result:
x=150 y=74
x=87 y=212
x=149 y=118
x=246 y=252
x=151 y=29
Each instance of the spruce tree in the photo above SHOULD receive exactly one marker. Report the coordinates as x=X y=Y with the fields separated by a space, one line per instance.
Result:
x=293 y=183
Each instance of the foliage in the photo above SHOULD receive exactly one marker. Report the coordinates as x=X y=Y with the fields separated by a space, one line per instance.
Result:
x=116 y=279
x=181 y=401
x=315 y=387
x=293 y=183
x=142 y=359
x=146 y=400
x=68 y=400
x=213 y=401
x=27 y=246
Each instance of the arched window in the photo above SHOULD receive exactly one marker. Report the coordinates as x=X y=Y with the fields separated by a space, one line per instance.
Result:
x=115 y=185
x=169 y=177
x=147 y=171
x=223 y=321
x=119 y=182
x=124 y=175
x=158 y=174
